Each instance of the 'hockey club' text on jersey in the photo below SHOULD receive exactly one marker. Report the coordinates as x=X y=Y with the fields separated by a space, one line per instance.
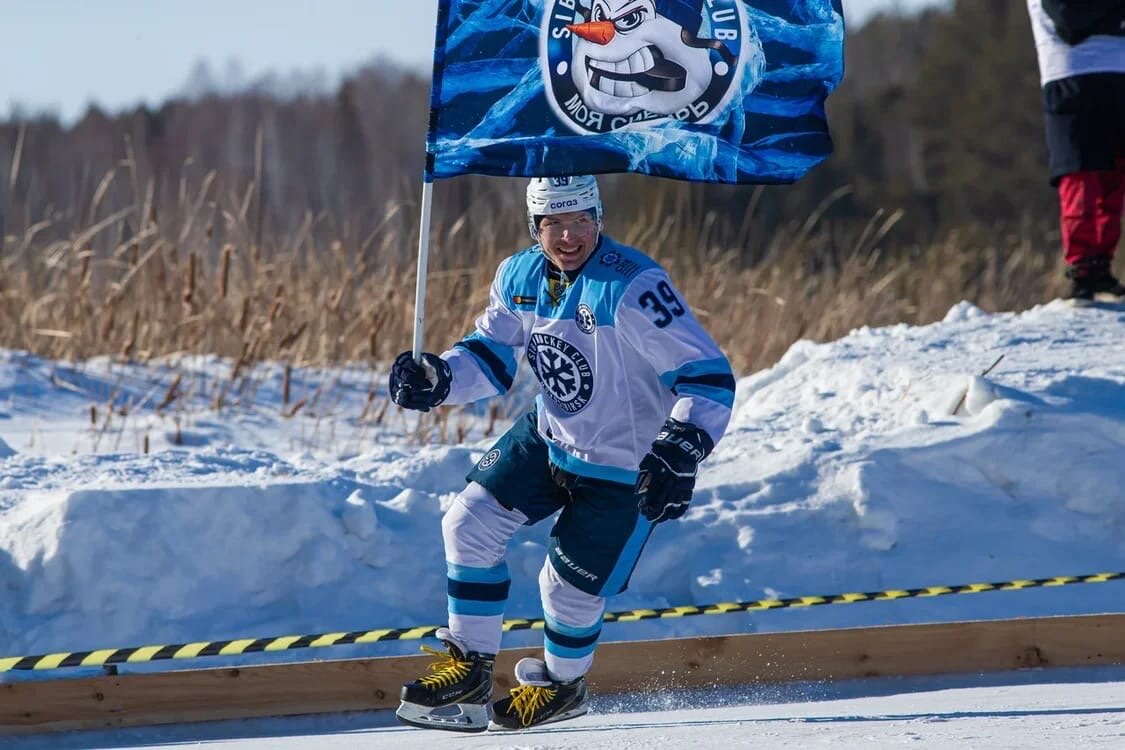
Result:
x=615 y=351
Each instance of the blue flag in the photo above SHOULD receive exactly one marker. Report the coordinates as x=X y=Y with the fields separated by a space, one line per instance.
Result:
x=705 y=90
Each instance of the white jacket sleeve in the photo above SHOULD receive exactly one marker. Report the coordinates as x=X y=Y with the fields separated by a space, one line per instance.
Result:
x=484 y=362
x=655 y=320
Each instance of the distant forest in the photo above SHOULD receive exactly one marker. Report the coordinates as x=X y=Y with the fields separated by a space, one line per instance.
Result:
x=264 y=227
x=938 y=115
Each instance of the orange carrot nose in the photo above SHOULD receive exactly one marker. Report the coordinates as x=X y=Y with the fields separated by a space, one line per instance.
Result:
x=598 y=32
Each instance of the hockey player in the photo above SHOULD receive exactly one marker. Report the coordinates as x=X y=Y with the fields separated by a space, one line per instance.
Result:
x=1081 y=52
x=633 y=394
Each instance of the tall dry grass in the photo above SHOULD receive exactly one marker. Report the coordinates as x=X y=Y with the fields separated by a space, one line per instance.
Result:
x=200 y=277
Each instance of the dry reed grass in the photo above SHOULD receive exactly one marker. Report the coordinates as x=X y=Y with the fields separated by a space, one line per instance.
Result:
x=199 y=277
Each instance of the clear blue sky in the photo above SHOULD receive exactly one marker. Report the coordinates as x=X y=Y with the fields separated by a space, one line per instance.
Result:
x=59 y=55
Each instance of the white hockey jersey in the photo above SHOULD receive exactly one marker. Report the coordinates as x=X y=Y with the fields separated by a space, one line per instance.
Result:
x=1057 y=59
x=616 y=353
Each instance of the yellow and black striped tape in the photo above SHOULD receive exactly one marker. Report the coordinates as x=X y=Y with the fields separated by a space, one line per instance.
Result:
x=112 y=656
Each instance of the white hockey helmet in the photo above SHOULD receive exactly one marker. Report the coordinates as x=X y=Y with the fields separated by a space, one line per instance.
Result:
x=561 y=195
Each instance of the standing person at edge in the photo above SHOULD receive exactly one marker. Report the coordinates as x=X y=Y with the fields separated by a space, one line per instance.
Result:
x=1081 y=49
x=633 y=394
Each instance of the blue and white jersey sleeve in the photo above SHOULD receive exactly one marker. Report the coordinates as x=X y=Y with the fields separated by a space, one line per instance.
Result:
x=655 y=320
x=484 y=362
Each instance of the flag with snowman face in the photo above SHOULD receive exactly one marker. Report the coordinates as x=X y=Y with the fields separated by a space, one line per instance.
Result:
x=706 y=90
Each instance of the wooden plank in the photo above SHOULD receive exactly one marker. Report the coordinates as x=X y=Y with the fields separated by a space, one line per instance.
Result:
x=863 y=652
x=369 y=684
x=212 y=694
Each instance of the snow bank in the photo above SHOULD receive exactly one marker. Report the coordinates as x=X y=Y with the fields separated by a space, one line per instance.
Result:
x=887 y=459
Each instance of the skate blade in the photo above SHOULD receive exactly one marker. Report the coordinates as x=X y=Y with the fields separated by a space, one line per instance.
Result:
x=459 y=717
x=571 y=714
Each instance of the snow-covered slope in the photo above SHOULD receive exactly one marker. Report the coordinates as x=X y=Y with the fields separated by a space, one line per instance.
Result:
x=882 y=460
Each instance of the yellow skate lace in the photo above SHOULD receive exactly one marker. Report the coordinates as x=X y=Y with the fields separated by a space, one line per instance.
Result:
x=445 y=671
x=527 y=699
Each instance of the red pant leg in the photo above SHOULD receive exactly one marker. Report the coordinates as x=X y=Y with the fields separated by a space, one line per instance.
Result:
x=1115 y=201
x=1090 y=205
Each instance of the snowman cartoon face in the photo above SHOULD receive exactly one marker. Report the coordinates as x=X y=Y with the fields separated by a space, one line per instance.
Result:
x=628 y=58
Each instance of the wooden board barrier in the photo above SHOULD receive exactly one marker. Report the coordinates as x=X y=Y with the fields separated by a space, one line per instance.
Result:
x=366 y=684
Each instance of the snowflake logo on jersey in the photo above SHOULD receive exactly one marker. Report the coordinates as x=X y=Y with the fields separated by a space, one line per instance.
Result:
x=612 y=64
x=562 y=370
x=585 y=319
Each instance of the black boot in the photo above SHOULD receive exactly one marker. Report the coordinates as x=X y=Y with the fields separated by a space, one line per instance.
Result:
x=1093 y=279
x=538 y=699
x=455 y=693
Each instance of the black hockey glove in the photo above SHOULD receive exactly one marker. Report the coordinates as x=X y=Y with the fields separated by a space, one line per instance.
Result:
x=667 y=475
x=419 y=386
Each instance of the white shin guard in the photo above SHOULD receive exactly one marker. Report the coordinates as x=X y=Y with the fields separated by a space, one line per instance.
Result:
x=575 y=616
x=476 y=530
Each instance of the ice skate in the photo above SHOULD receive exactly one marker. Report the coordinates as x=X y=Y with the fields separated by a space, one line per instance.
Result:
x=454 y=695
x=538 y=699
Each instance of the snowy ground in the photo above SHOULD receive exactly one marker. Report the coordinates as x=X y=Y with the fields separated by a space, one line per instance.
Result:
x=883 y=460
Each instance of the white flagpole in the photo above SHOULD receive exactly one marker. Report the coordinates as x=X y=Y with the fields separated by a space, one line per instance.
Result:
x=423 y=262
x=440 y=30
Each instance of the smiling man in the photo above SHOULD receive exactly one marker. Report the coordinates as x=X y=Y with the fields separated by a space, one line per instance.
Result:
x=633 y=394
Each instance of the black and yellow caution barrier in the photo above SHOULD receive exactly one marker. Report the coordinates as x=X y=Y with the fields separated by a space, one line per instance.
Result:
x=108 y=657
